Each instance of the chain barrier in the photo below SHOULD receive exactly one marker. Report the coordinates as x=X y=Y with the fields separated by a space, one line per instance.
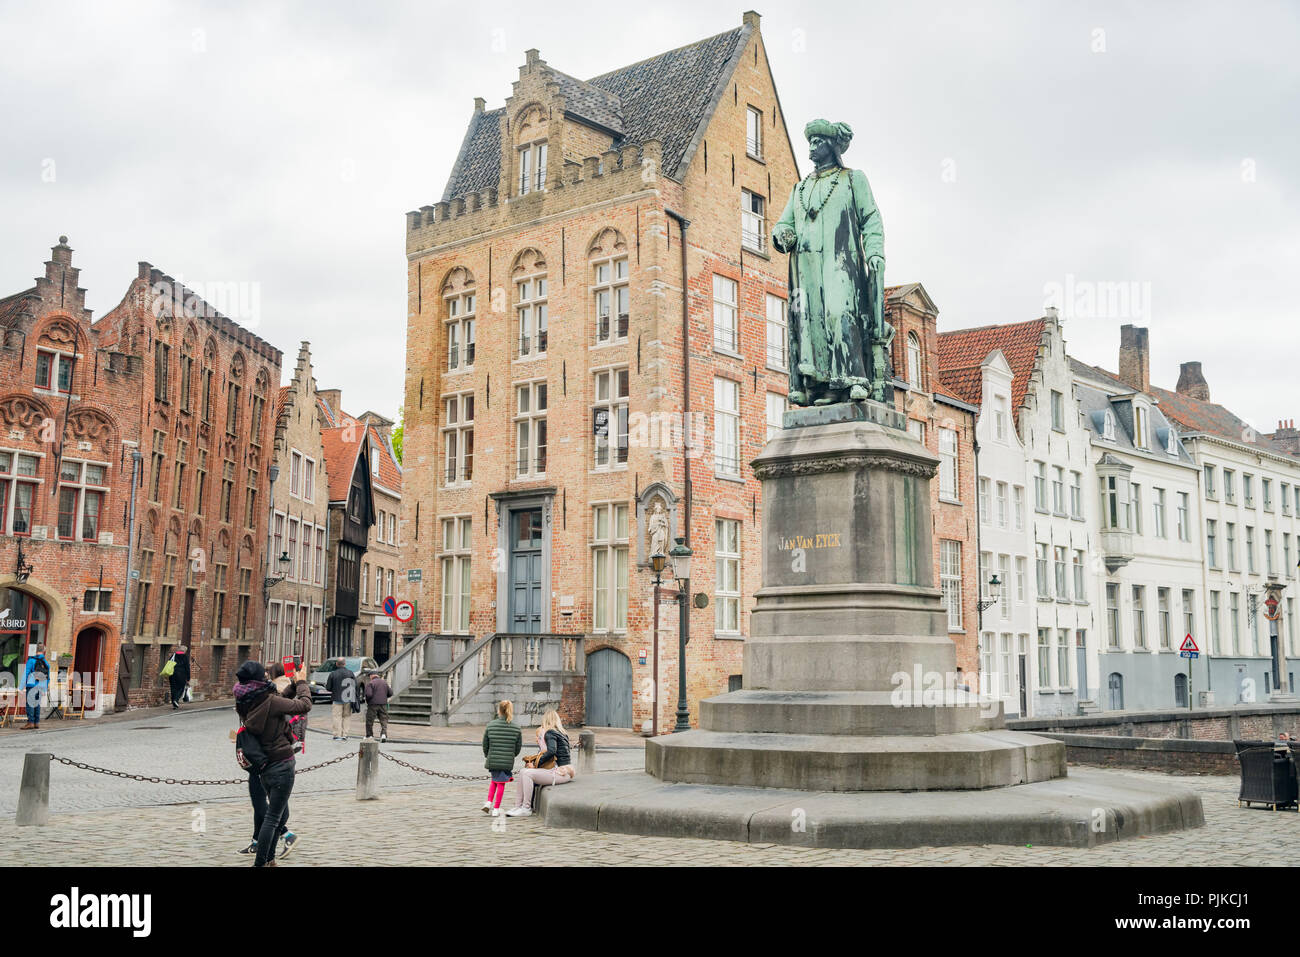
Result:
x=216 y=782
x=437 y=774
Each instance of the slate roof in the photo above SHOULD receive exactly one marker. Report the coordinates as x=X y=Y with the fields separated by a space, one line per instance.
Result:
x=669 y=97
x=962 y=352
x=11 y=307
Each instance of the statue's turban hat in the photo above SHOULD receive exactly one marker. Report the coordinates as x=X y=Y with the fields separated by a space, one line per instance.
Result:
x=838 y=133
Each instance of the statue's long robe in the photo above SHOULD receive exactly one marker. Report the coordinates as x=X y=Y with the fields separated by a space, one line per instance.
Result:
x=831 y=298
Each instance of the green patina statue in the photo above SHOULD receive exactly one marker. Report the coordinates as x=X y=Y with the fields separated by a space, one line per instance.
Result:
x=838 y=338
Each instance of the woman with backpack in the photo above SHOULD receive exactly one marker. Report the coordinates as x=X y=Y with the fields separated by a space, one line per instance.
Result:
x=266 y=714
x=551 y=734
x=502 y=741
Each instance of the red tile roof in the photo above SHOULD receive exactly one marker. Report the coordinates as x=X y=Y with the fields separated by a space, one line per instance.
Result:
x=390 y=473
x=1193 y=415
x=341 y=447
x=963 y=351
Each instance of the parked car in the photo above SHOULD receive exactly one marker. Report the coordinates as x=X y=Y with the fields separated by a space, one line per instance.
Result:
x=316 y=677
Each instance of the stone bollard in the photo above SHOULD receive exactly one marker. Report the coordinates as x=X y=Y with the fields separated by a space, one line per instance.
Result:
x=34 y=791
x=586 y=752
x=368 y=770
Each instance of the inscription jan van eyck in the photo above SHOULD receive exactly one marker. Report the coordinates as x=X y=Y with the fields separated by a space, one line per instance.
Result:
x=817 y=540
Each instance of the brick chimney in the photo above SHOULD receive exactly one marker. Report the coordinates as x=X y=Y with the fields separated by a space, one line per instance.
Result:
x=1191 y=383
x=332 y=398
x=752 y=19
x=1134 y=358
x=1288 y=436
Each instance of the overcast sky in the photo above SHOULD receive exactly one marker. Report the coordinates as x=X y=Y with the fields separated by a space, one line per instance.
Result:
x=1018 y=151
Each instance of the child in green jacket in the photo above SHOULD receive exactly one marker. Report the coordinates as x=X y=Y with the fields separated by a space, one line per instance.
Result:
x=502 y=742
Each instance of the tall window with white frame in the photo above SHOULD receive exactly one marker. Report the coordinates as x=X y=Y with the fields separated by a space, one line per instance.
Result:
x=1044 y=658
x=532 y=167
x=753 y=228
x=1112 y=615
x=1139 y=617
x=1000 y=417
x=726 y=427
x=609 y=569
x=948 y=464
x=530 y=430
x=725 y=312
x=1063 y=658
x=611 y=298
x=776 y=408
x=460 y=332
x=726 y=551
x=455 y=562
x=754 y=132
x=609 y=418
x=1184 y=518
x=950 y=581
x=913 y=360
x=82 y=489
x=458 y=438
x=531 y=315
x=1044 y=583
x=1166 y=623
x=1079 y=594
x=1004 y=593
x=777 y=332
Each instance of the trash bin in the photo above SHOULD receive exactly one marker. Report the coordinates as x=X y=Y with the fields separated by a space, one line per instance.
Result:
x=1268 y=774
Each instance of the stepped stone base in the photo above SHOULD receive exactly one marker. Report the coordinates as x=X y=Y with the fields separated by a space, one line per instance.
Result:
x=1087 y=809
x=829 y=762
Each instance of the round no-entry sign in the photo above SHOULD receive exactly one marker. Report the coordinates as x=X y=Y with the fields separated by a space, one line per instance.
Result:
x=404 y=611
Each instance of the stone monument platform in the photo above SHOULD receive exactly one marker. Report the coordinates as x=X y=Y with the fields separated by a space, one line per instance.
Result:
x=853 y=709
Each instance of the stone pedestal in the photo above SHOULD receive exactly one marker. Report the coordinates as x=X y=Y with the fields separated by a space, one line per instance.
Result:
x=850 y=678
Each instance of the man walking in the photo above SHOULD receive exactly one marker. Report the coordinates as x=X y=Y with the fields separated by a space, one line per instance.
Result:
x=377 y=694
x=342 y=686
x=36 y=685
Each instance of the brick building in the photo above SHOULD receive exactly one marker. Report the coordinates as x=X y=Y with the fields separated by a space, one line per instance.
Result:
x=68 y=407
x=136 y=399
x=295 y=617
x=945 y=424
x=205 y=420
x=596 y=339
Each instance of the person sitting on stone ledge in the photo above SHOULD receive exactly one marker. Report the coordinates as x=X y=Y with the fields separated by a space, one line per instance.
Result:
x=555 y=746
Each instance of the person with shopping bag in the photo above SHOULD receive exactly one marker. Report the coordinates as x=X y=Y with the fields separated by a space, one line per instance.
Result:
x=177 y=673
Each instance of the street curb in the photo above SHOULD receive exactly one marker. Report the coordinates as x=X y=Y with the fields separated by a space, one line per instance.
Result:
x=472 y=744
x=117 y=718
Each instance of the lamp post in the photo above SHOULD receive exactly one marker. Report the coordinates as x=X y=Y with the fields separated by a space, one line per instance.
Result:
x=658 y=562
x=681 y=558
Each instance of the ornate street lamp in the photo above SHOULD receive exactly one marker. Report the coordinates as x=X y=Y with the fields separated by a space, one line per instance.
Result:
x=283 y=562
x=995 y=585
x=681 y=558
x=24 y=569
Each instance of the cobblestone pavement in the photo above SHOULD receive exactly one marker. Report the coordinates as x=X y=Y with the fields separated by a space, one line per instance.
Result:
x=197 y=744
x=106 y=821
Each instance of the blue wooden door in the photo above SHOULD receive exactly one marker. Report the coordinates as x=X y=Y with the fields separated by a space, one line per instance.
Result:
x=526 y=572
x=609 y=689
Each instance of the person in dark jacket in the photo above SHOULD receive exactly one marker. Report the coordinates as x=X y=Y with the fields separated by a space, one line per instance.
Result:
x=266 y=714
x=251 y=680
x=377 y=694
x=551 y=733
x=342 y=686
x=502 y=742
x=180 y=676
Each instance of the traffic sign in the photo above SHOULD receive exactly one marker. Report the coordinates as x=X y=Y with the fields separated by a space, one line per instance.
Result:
x=415 y=574
x=1189 y=654
x=1189 y=645
x=390 y=605
x=404 y=611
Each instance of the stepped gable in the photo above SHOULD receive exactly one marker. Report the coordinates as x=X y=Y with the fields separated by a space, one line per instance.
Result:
x=669 y=98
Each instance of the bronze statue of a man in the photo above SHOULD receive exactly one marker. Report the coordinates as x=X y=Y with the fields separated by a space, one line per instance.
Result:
x=838 y=338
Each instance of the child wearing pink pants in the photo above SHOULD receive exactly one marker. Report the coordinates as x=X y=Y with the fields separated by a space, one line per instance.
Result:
x=502 y=742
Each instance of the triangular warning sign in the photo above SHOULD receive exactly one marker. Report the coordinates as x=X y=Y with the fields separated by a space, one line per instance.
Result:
x=1188 y=645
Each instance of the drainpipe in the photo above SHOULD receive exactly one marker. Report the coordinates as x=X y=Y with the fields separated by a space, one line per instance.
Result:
x=688 y=492
x=136 y=459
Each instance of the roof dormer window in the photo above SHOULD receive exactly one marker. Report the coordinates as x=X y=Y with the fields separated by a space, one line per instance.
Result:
x=1108 y=427
x=1139 y=426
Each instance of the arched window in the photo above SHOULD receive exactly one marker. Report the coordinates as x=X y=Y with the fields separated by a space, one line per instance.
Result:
x=1180 y=691
x=459 y=302
x=529 y=277
x=530 y=150
x=24 y=624
x=913 y=360
x=609 y=285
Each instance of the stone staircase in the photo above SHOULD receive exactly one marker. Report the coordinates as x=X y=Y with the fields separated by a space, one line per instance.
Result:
x=1089 y=707
x=443 y=680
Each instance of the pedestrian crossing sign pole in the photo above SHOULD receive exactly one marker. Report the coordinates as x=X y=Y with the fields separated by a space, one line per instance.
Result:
x=1189 y=651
